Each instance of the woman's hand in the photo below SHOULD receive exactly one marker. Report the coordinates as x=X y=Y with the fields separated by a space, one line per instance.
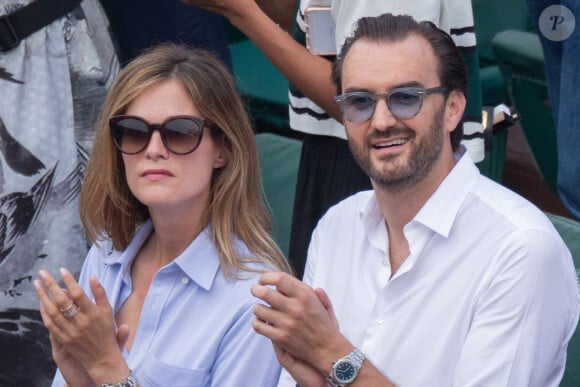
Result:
x=72 y=371
x=85 y=341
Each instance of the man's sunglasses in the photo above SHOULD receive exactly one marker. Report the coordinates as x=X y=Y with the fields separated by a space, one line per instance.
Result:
x=180 y=134
x=403 y=102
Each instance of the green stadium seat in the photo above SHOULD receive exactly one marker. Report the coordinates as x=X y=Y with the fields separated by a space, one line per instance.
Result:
x=570 y=232
x=279 y=157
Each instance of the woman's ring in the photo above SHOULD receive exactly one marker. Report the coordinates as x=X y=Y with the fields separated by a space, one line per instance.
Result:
x=71 y=310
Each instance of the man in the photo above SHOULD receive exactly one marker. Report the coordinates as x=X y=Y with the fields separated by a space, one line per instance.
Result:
x=327 y=172
x=438 y=276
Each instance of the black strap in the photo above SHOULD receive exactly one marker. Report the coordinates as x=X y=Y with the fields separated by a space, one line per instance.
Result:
x=27 y=20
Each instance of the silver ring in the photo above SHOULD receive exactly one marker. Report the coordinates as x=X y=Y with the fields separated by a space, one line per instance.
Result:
x=70 y=311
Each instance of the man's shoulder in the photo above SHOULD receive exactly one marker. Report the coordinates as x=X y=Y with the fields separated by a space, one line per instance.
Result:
x=493 y=209
x=351 y=205
x=506 y=203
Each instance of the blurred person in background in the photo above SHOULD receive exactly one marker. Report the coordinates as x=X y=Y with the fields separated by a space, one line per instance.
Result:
x=57 y=61
x=558 y=24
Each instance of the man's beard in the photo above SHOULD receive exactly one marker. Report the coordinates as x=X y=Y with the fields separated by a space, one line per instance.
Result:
x=422 y=157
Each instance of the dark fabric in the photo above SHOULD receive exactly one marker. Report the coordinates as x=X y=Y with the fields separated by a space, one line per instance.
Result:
x=139 y=24
x=327 y=174
x=25 y=21
x=26 y=357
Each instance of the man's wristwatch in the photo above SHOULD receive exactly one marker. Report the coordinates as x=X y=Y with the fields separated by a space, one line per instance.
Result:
x=344 y=371
x=129 y=381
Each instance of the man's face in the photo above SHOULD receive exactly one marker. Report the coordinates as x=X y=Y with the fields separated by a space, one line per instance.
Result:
x=398 y=153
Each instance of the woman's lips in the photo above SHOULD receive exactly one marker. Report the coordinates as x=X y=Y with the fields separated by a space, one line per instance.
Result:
x=156 y=174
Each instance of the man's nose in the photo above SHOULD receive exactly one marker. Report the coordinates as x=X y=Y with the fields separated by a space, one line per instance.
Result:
x=382 y=117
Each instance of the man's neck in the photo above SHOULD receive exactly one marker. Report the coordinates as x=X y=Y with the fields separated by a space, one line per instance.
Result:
x=399 y=207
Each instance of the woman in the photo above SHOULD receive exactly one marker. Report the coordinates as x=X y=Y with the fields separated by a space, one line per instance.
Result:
x=172 y=201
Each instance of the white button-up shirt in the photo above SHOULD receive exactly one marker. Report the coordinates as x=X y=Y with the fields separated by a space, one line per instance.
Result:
x=487 y=297
x=195 y=328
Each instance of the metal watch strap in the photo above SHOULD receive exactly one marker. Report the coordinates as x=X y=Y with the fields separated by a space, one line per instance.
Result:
x=129 y=381
x=356 y=357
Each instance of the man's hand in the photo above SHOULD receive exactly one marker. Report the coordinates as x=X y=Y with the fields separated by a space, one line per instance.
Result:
x=303 y=373
x=300 y=322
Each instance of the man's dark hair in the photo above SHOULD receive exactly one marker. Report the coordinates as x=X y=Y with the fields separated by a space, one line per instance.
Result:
x=451 y=69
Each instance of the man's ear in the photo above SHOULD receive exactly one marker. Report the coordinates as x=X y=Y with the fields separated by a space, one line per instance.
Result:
x=454 y=109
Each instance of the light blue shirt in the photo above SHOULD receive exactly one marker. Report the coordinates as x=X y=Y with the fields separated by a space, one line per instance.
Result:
x=195 y=326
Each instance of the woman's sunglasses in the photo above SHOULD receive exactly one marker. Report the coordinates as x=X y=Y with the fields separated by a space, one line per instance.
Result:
x=180 y=134
x=403 y=102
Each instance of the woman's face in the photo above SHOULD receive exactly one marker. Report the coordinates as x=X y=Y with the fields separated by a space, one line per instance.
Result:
x=159 y=178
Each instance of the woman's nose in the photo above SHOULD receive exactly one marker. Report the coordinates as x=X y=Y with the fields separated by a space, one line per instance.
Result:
x=156 y=148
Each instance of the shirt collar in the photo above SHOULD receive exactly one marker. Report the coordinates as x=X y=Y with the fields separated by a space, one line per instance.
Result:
x=440 y=210
x=199 y=261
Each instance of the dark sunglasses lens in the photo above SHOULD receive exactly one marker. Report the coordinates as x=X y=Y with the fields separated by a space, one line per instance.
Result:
x=404 y=103
x=183 y=135
x=358 y=107
x=131 y=135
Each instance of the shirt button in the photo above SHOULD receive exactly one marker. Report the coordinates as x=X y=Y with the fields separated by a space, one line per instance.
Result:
x=385 y=263
x=380 y=321
x=184 y=280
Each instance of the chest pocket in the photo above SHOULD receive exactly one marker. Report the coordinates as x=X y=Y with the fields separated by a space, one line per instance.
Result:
x=155 y=373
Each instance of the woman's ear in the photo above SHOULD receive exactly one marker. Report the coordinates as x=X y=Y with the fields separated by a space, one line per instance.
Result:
x=454 y=108
x=220 y=158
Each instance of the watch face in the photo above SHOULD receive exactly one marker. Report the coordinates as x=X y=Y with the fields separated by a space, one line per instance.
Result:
x=345 y=371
